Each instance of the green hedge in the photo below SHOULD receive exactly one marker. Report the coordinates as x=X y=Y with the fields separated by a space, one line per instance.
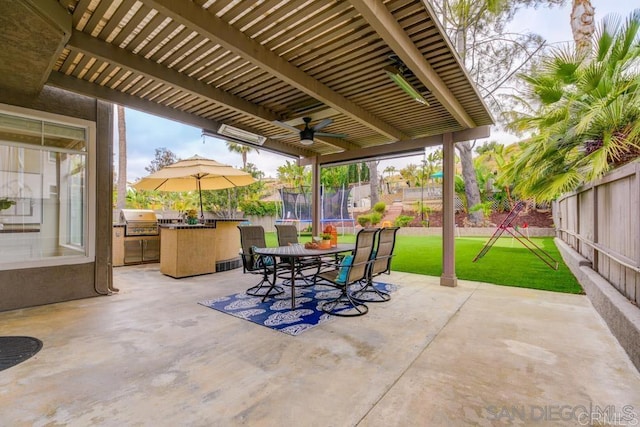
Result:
x=258 y=208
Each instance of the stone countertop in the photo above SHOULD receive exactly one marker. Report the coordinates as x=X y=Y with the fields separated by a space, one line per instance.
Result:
x=180 y=226
x=209 y=222
x=175 y=223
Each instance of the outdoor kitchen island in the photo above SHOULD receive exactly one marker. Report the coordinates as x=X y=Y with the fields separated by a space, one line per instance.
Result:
x=189 y=250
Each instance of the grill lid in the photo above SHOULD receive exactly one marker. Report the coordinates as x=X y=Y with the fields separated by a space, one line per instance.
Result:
x=133 y=216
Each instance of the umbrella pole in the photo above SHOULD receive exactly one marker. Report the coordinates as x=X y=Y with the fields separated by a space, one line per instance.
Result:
x=201 y=210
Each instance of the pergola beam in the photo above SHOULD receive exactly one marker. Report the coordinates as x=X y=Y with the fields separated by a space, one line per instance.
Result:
x=111 y=54
x=337 y=142
x=207 y=24
x=407 y=148
x=383 y=22
x=83 y=87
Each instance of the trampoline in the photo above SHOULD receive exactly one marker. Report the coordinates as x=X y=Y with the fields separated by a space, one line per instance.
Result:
x=296 y=207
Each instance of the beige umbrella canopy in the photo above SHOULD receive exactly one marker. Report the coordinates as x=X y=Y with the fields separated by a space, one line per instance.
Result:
x=195 y=174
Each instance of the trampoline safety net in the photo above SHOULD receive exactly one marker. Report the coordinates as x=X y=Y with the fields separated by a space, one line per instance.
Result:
x=296 y=204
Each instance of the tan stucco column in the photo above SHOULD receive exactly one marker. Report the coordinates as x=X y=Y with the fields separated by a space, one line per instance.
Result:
x=448 y=277
x=316 y=197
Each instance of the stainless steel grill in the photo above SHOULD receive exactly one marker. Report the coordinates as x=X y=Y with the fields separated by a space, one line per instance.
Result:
x=139 y=222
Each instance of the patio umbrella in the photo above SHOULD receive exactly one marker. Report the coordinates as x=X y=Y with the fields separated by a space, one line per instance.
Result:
x=195 y=174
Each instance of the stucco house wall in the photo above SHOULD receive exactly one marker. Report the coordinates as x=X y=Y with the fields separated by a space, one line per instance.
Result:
x=27 y=287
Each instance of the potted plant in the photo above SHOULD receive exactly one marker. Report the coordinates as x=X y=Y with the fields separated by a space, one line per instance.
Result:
x=192 y=216
x=326 y=241
x=6 y=203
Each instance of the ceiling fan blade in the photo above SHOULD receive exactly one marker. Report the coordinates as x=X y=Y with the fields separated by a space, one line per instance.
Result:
x=322 y=124
x=286 y=126
x=285 y=135
x=331 y=135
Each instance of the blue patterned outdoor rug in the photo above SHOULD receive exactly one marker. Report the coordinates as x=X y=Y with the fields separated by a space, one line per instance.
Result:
x=276 y=313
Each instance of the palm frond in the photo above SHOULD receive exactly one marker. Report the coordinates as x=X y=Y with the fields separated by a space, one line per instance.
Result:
x=589 y=113
x=605 y=36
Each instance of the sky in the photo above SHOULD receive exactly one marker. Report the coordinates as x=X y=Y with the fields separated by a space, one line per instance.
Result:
x=145 y=132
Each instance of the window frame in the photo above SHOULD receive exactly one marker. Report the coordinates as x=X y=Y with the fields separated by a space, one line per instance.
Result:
x=89 y=191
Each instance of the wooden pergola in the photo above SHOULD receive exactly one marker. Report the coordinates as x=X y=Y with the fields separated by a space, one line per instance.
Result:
x=257 y=67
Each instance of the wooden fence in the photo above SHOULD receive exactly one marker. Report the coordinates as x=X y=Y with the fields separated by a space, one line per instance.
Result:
x=601 y=221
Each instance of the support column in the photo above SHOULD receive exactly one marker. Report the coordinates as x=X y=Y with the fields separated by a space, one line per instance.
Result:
x=448 y=277
x=104 y=194
x=315 y=197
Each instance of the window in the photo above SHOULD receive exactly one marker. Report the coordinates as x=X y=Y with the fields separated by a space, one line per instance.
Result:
x=46 y=211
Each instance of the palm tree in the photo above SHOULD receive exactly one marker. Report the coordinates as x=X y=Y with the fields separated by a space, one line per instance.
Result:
x=409 y=173
x=582 y=24
x=588 y=119
x=390 y=171
x=293 y=175
x=433 y=162
x=241 y=149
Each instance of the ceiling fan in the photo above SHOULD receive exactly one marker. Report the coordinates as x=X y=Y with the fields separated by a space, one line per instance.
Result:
x=308 y=132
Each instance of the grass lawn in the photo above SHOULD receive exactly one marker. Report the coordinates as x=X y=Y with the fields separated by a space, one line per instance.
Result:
x=507 y=263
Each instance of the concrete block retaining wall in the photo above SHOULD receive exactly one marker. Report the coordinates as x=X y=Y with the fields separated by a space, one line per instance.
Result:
x=622 y=317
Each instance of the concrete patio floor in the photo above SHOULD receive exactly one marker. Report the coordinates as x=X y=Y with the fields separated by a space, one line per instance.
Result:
x=477 y=354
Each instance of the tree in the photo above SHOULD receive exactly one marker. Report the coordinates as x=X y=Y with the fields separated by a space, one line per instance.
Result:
x=121 y=189
x=258 y=188
x=334 y=177
x=241 y=149
x=410 y=174
x=491 y=55
x=489 y=147
x=582 y=25
x=373 y=181
x=358 y=172
x=163 y=157
x=587 y=118
x=472 y=191
x=390 y=171
x=490 y=164
x=293 y=175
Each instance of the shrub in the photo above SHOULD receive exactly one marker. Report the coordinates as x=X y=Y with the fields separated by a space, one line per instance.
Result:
x=485 y=207
x=403 y=221
x=376 y=217
x=258 y=208
x=422 y=208
x=379 y=207
x=364 y=220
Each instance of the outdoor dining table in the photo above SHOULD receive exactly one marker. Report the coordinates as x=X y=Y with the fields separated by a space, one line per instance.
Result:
x=298 y=251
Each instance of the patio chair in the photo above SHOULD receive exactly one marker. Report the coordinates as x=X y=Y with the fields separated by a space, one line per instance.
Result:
x=288 y=235
x=252 y=236
x=381 y=263
x=352 y=270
